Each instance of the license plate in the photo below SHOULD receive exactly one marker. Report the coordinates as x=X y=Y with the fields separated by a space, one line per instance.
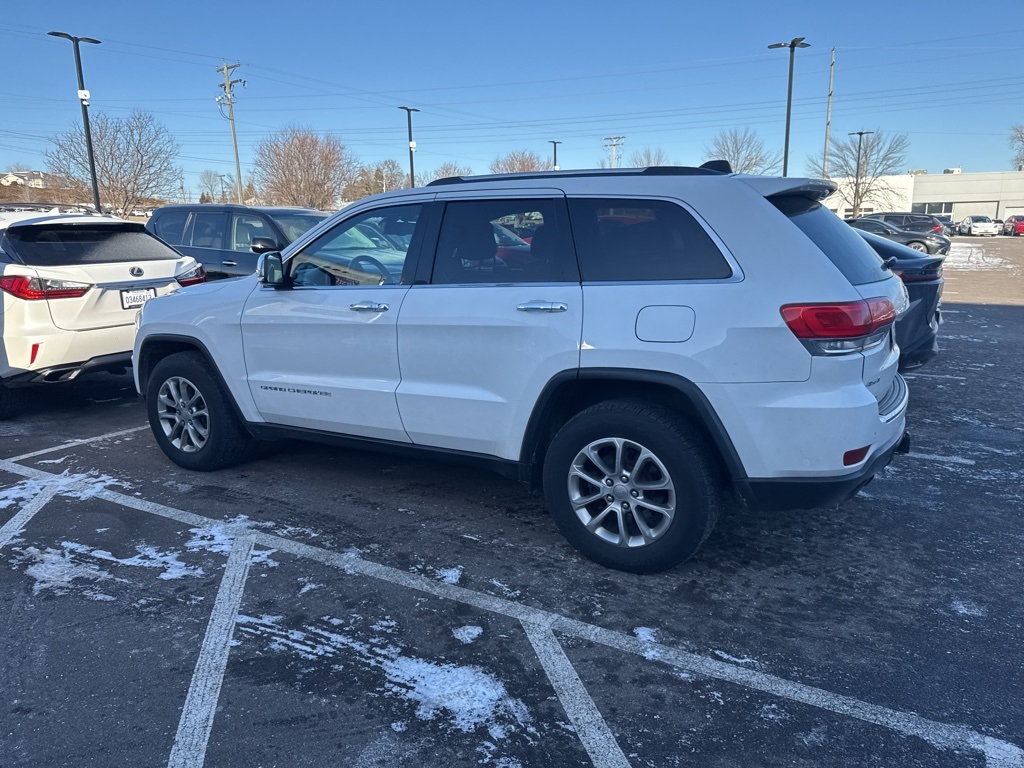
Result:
x=136 y=297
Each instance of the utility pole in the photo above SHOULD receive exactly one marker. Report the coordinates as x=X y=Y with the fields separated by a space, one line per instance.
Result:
x=856 y=181
x=614 y=146
x=412 y=147
x=828 y=114
x=229 y=98
x=554 y=146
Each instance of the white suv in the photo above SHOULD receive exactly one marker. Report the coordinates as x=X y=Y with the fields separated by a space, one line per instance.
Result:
x=70 y=287
x=657 y=336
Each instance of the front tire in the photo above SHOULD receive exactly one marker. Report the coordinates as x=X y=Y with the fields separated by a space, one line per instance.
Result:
x=192 y=416
x=632 y=486
x=918 y=246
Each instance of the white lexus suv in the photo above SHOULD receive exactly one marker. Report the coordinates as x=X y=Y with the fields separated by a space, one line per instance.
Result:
x=70 y=287
x=633 y=341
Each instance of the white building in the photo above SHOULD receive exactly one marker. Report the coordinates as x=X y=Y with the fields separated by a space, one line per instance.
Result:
x=954 y=194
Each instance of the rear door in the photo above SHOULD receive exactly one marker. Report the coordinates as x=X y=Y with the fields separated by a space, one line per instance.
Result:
x=206 y=238
x=122 y=263
x=487 y=326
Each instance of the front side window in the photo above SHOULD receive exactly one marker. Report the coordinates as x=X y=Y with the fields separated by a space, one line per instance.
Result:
x=244 y=228
x=627 y=240
x=208 y=230
x=478 y=244
x=357 y=251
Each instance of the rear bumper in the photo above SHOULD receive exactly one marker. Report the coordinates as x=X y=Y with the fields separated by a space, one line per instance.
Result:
x=70 y=371
x=771 y=495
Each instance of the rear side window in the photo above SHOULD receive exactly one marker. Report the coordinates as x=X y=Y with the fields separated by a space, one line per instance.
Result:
x=170 y=226
x=628 y=239
x=62 y=246
x=208 y=230
x=847 y=250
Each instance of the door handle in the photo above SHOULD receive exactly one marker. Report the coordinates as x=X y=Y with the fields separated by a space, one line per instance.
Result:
x=542 y=306
x=369 y=306
x=229 y=264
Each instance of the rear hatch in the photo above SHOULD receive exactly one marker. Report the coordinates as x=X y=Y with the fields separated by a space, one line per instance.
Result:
x=118 y=263
x=868 y=274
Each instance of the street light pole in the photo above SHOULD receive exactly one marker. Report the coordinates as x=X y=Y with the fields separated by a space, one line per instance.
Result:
x=554 y=146
x=412 y=146
x=796 y=42
x=856 y=180
x=83 y=96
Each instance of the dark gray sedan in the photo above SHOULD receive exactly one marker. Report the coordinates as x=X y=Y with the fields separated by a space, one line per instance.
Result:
x=925 y=242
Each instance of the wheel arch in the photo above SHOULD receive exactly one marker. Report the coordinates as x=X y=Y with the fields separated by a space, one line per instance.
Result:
x=569 y=392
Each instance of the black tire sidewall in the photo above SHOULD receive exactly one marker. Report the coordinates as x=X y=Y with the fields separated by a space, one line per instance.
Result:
x=687 y=463
x=222 y=445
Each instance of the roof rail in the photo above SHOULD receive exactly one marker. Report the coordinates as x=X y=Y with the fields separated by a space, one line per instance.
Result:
x=710 y=168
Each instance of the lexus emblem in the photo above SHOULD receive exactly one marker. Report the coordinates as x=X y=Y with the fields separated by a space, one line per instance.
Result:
x=135 y=272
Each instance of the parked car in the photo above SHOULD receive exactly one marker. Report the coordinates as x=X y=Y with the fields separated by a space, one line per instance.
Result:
x=978 y=225
x=228 y=239
x=1014 y=225
x=948 y=225
x=917 y=331
x=70 y=288
x=633 y=369
x=925 y=242
x=912 y=222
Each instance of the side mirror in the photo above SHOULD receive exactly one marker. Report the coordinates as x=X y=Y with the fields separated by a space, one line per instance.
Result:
x=263 y=245
x=270 y=270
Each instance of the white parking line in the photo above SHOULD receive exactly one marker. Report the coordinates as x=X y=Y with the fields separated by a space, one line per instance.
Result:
x=73 y=443
x=998 y=753
x=189 y=750
x=16 y=524
x=583 y=713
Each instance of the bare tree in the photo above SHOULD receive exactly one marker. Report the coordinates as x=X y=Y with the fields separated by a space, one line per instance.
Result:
x=135 y=159
x=297 y=166
x=1017 y=145
x=881 y=154
x=385 y=176
x=445 y=171
x=520 y=161
x=745 y=152
x=649 y=156
x=209 y=185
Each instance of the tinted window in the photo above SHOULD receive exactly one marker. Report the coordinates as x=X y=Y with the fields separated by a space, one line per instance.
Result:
x=355 y=251
x=622 y=240
x=170 y=226
x=56 y=245
x=847 y=250
x=208 y=230
x=478 y=244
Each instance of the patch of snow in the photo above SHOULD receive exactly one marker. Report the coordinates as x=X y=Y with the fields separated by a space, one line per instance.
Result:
x=53 y=461
x=23 y=491
x=970 y=258
x=505 y=589
x=56 y=571
x=773 y=714
x=734 y=659
x=967 y=608
x=467 y=696
x=398 y=726
x=449 y=575
x=467 y=634
x=147 y=557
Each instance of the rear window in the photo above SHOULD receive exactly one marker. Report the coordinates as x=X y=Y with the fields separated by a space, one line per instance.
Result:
x=844 y=248
x=64 y=245
x=631 y=239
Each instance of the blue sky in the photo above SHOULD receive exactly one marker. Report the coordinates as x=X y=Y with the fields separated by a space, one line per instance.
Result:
x=494 y=77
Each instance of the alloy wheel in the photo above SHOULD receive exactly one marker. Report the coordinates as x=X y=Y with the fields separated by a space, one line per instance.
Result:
x=183 y=414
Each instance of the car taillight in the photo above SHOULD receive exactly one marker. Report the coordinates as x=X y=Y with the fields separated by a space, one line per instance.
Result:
x=36 y=288
x=937 y=228
x=835 y=329
x=918 y=275
x=192 y=277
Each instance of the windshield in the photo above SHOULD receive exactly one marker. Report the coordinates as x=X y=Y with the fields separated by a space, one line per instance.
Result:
x=981 y=219
x=60 y=245
x=295 y=225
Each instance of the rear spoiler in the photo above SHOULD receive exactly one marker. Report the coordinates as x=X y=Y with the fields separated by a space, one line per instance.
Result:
x=774 y=186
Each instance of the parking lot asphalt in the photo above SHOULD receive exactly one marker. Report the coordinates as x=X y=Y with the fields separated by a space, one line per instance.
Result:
x=326 y=607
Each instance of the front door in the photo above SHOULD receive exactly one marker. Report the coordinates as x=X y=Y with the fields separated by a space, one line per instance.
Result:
x=322 y=353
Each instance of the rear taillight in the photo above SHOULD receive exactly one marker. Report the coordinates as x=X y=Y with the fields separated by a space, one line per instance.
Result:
x=918 y=275
x=937 y=228
x=834 y=329
x=36 y=288
x=192 y=277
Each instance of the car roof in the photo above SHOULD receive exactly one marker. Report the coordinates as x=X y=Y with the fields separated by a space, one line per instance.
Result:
x=215 y=207
x=34 y=219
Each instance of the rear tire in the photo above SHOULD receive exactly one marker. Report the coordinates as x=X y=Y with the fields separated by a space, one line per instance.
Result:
x=192 y=416
x=918 y=246
x=632 y=486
